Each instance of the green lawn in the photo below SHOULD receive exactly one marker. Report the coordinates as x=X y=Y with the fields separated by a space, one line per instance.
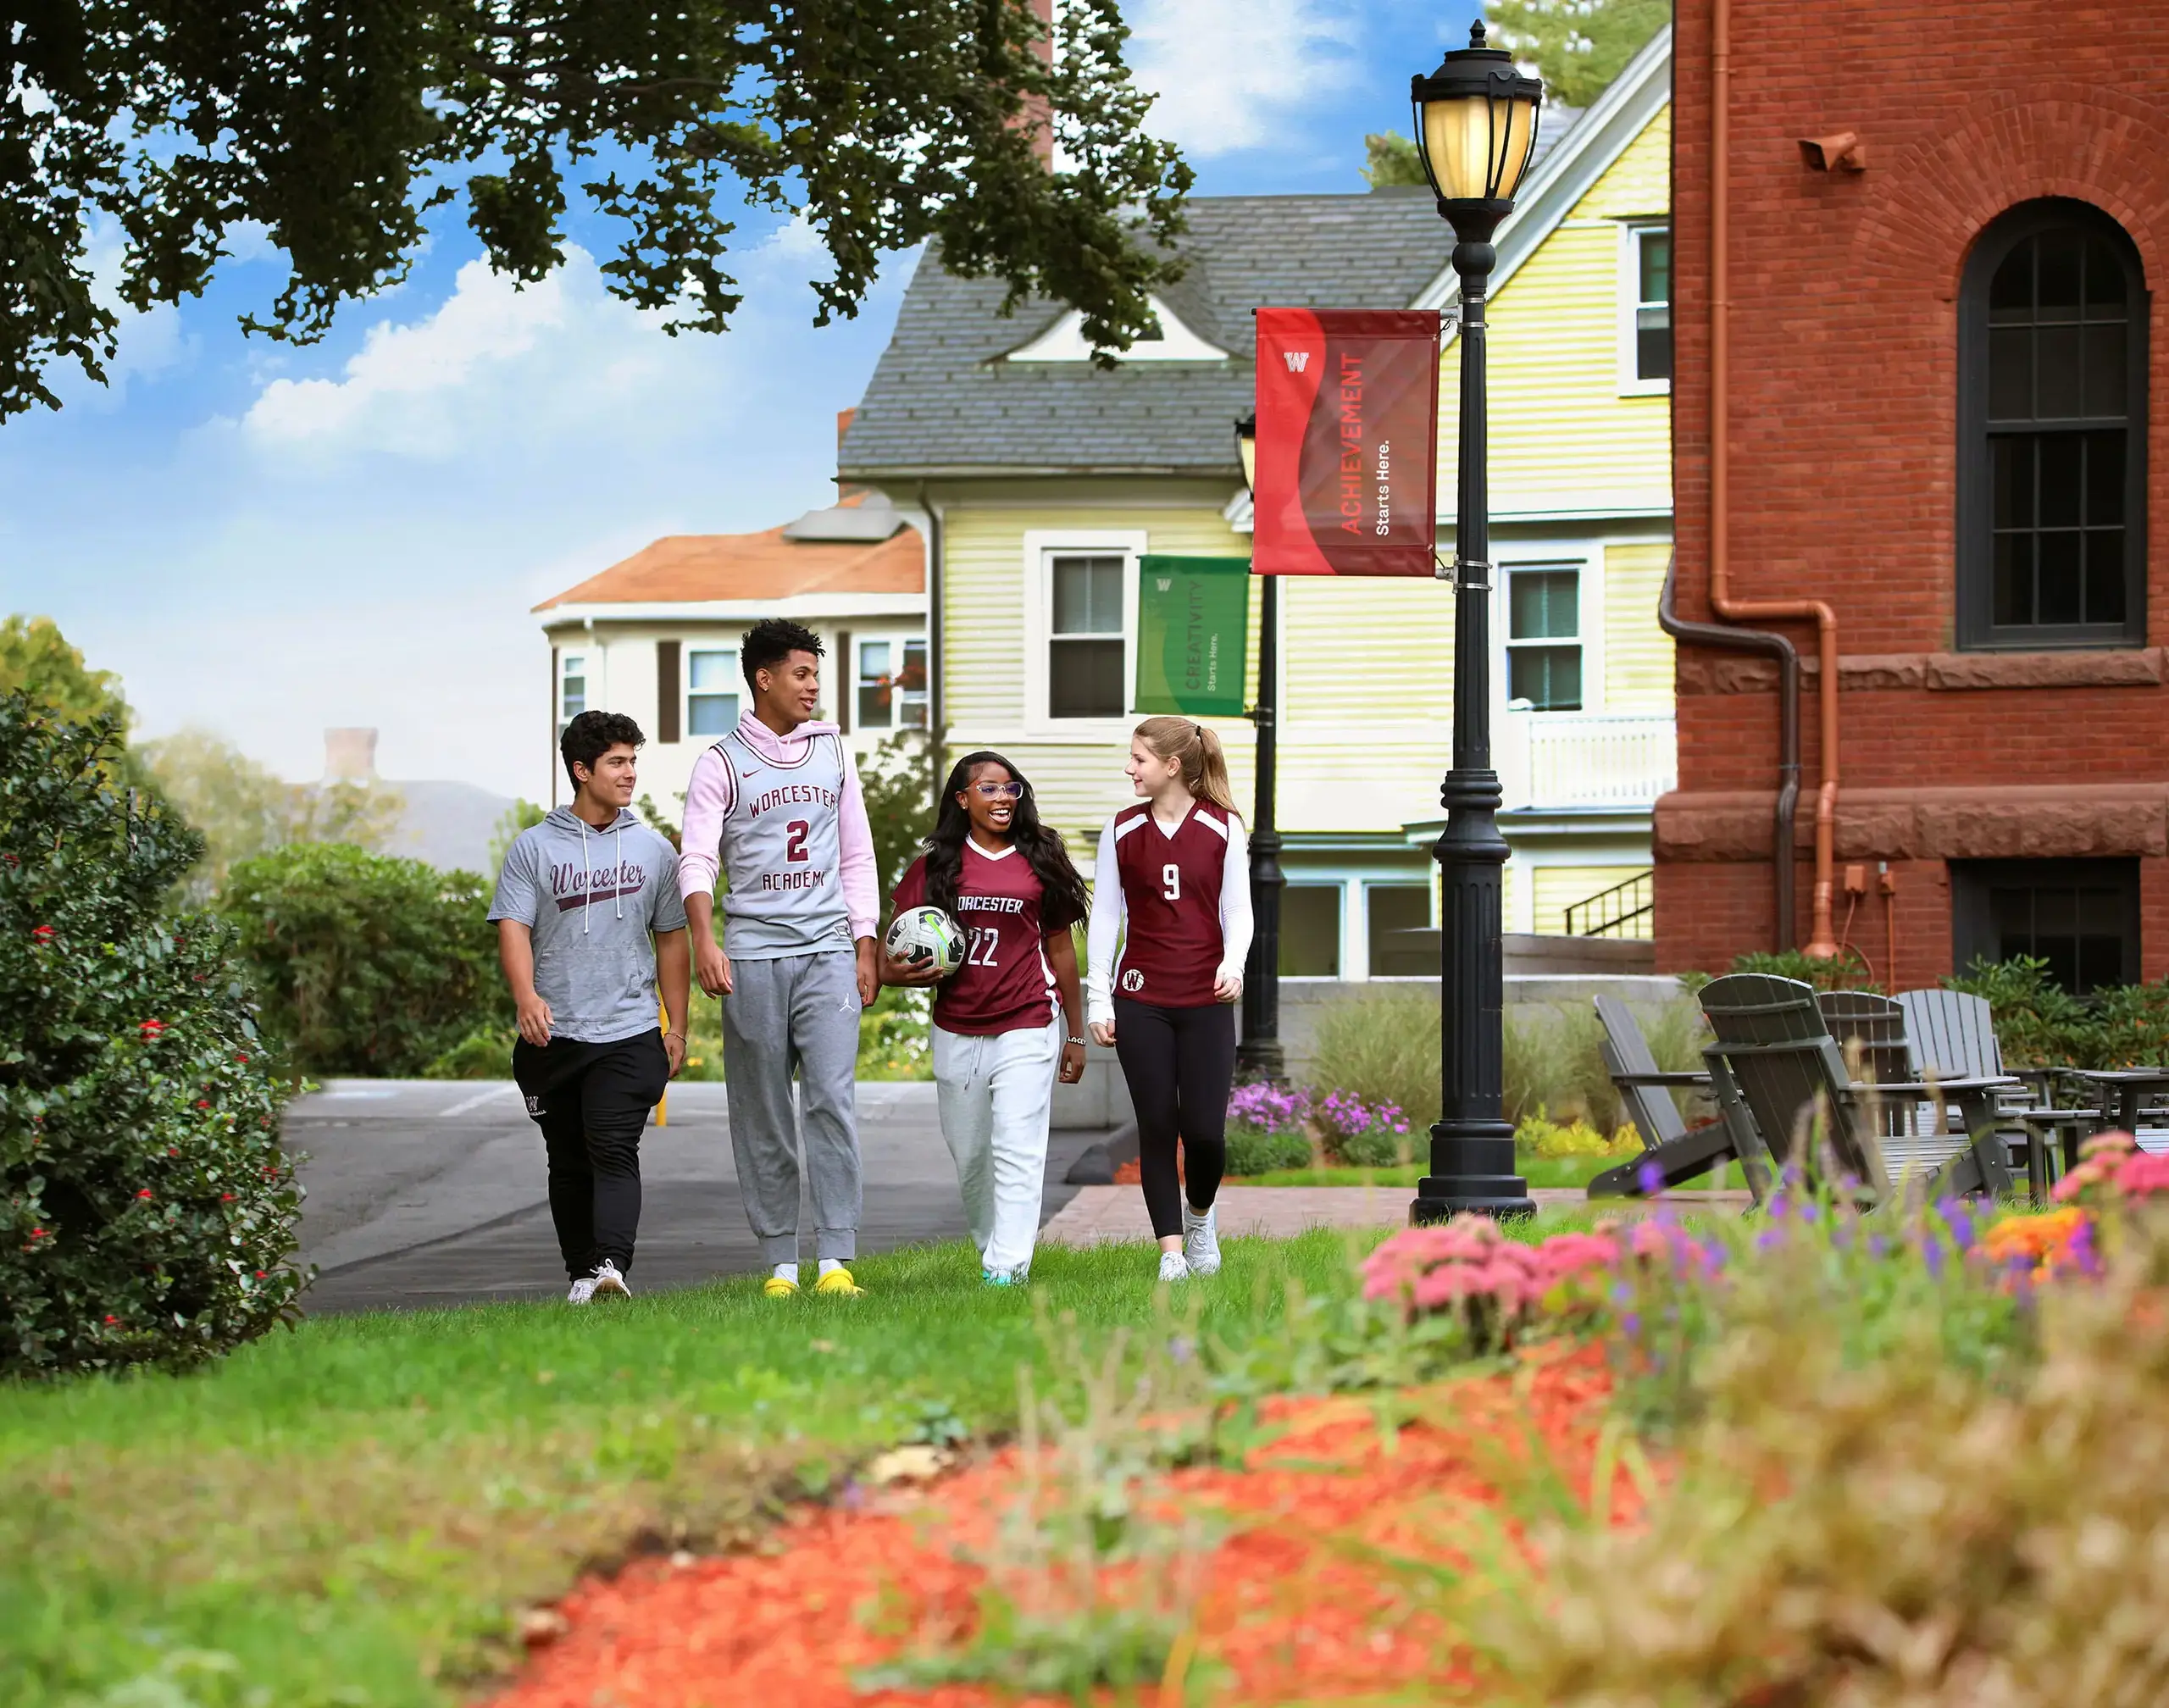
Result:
x=354 y=1513
x=1537 y=1171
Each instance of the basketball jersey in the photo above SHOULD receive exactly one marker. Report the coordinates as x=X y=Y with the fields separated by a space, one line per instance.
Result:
x=782 y=851
x=1004 y=983
x=1171 y=888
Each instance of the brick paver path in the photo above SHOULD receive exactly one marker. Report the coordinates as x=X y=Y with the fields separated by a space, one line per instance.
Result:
x=1098 y=1214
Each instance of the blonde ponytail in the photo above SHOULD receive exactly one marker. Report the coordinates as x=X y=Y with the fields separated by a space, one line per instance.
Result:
x=1198 y=751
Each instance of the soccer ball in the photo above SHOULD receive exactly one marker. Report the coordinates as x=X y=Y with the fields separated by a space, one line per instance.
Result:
x=923 y=937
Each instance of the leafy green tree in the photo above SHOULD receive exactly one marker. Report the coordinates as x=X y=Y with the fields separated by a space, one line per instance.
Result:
x=338 y=124
x=521 y=815
x=900 y=779
x=1576 y=45
x=36 y=659
x=242 y=810
x=1391 y=162
x=147 y=1212
x=366 y=964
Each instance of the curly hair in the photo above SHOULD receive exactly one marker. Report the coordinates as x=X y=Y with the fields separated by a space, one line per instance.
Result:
x=591 y=734
x=769 y=642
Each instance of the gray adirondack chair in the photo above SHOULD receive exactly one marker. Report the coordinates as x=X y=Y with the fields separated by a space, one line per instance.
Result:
x=1777 y=1056
x=1953 y=1035
x=1680 y=1154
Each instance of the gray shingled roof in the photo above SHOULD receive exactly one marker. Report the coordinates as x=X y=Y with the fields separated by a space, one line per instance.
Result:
x=942 y=400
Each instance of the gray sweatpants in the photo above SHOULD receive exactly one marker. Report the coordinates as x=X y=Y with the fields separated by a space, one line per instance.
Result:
x=800 y=1011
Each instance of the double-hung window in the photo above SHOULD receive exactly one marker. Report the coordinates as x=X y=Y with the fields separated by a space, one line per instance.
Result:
x=1645 y=292
x=1544 y=630
x=891 y=685
x=1086 y=652
x=2052 y=405
x=572 y=687
x=712 y=682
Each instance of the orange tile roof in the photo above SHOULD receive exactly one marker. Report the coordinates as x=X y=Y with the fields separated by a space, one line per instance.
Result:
x=690 y=568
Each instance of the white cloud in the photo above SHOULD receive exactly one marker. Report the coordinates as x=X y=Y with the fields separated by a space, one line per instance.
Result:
x=1226 y=72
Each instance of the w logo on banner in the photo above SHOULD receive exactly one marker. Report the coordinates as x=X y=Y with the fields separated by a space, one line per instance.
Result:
x=1297 y=360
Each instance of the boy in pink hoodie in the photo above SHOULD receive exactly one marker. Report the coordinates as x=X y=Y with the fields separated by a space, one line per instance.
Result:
x=775 y=806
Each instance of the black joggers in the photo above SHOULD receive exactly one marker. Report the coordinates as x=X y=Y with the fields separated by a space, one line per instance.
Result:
x=591 y=1101
x=1181 y=1064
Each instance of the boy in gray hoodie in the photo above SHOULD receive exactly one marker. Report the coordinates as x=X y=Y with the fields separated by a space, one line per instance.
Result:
x=579 y=898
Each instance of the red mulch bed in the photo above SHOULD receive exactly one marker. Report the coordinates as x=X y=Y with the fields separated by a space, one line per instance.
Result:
x=1291 y=1610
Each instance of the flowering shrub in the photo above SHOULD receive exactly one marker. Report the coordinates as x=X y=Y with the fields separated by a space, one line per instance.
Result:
x=2037 y=1247
x=1360 y=1135
x=1538 y=1135
x=1503 y=1288
x=147 y=1212
x=1267 y=1128
x=2113 y=1171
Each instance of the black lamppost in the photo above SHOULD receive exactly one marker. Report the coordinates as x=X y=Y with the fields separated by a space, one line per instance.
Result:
x=1259 y=1056
x=1475 y=129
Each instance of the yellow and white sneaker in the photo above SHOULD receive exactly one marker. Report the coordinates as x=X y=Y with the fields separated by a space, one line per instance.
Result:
x=775 y=1287
x=838 y=1283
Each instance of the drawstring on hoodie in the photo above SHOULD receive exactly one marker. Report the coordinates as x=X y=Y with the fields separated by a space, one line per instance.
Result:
x=617 y=884
x=587 y=876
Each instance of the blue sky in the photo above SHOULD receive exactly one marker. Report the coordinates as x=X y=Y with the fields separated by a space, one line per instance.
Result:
x=265 y=540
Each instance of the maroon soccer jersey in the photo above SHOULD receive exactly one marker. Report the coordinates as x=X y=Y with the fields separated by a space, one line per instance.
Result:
x=1171 y=887
x=1005 y=984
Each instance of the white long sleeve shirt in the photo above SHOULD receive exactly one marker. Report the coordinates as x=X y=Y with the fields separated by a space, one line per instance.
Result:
x=1110 y=913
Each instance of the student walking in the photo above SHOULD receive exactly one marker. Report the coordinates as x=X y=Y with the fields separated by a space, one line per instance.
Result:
x=588 y=919
x=1012 y=1009
x=1173 y=881
x=775 y=806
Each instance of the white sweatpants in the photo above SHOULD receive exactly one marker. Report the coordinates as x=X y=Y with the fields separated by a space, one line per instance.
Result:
x=994 y=1093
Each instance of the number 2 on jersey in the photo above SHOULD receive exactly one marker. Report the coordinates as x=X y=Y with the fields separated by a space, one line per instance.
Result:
x=1171 y=882
x=979 y=948
x=795 y=835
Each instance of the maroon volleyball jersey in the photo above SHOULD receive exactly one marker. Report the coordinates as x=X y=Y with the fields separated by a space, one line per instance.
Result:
x=1004 y=983
x=1170 y=886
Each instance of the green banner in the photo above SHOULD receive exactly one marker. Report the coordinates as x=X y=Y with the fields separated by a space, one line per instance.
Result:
x=1193 y=616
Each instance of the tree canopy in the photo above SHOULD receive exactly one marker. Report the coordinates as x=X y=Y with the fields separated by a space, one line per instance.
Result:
x=337 y=125
x=36 y=660
x=1576 y=45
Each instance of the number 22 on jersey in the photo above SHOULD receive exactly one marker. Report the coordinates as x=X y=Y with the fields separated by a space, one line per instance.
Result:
x=979 y=945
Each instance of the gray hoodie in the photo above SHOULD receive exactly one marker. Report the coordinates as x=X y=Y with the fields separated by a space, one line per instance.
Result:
x=591 y=897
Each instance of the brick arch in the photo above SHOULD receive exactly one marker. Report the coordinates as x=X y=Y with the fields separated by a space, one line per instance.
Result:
x=1925 y=213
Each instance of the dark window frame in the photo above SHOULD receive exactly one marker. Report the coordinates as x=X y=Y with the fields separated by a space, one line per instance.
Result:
x=1977 y=629
x=1973 y=922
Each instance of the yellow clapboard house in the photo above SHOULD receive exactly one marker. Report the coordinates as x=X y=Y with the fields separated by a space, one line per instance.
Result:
x=1040 y=479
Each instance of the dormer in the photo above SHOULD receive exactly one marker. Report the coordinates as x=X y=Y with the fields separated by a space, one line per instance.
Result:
x=1168 y=340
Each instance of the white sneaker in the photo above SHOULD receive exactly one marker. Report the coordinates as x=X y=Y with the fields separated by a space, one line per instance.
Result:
x=1172 y=1267
x=583 y=1290
x=1201 y=1242
x=608 y=1281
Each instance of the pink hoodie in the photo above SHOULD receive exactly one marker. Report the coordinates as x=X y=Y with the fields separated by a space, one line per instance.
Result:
x=710 y=795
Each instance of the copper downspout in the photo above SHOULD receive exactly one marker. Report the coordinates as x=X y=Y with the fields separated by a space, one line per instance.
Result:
x=1821 y=942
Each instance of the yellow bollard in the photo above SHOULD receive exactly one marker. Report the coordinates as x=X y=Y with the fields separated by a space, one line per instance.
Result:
x=662 y=1108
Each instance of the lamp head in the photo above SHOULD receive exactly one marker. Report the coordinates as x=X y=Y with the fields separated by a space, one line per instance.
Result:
x=1476 y=120
x=1247 y=449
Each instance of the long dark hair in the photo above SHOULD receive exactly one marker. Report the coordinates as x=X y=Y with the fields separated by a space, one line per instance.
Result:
x=1065 y=901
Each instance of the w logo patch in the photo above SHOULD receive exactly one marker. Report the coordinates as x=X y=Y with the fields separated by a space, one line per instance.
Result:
x=1297 y=360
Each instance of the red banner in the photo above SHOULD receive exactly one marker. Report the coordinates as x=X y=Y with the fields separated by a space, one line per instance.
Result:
x=1347 y=441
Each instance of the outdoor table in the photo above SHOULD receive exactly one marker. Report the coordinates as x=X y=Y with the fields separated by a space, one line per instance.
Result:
x=2122 y=1089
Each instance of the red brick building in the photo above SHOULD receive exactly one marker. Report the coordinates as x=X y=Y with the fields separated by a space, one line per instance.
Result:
x=1944 y=382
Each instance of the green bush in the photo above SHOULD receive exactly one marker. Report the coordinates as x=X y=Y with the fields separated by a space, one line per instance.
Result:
x=1845 y=971
x=366 y=964
x=484 y=1053
x=1383 y=1048
x=1253 y=1150
x=147 y=1212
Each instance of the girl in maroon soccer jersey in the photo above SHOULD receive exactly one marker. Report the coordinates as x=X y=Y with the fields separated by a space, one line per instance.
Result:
x=1005 y=1017
x=1172 y=877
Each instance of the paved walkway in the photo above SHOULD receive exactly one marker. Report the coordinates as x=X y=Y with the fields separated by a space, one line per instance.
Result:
x=1101 y=1214
x=432 y=1192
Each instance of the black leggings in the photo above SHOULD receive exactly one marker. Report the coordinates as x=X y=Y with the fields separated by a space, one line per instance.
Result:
x=1181 y=1064
x=591 y=1101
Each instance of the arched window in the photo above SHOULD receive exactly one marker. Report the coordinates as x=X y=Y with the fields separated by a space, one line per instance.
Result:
x=2052 y=451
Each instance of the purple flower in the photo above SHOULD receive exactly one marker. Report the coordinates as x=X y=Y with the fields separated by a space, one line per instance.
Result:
x=1769 y=1239
x=1932 y=1256
x=1650 y=1177
x=1630 y=1324
x=1877 y=1246
x=1621 y=1293
x=1809 y=1210
x=1959 y=1219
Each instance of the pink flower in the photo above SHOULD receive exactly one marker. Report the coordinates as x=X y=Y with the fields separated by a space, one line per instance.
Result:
x=145 y=1193
x=2141 y=1176
x=42 y=935
x=153 y=1030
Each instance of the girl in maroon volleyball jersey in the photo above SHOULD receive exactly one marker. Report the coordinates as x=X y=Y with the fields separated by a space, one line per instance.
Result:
x=1005 y=1017
x=1173 y=879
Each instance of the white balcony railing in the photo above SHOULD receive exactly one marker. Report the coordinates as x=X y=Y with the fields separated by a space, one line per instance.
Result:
x=1589 y=759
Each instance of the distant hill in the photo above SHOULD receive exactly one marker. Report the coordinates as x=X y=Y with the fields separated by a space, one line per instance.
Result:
x=449 y=824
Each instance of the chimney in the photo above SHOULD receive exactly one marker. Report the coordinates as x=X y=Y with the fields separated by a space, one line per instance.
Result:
x=349 y=756
x=1035 y=110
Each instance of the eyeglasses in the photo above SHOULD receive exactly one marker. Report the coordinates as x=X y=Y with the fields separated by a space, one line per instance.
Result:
x=1001 y=791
